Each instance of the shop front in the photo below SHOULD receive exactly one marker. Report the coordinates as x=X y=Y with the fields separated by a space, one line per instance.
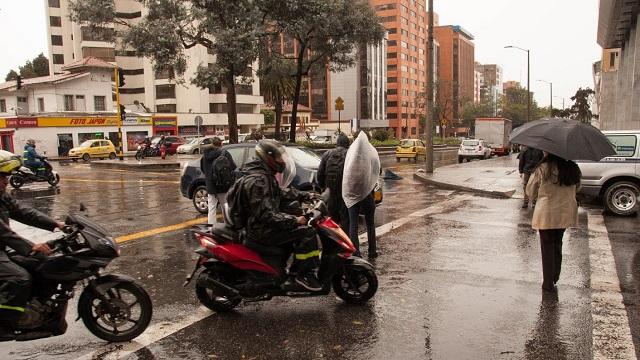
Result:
x=165 y=125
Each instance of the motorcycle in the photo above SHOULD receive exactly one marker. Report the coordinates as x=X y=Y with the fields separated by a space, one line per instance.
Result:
x=25 y=175
x=146 y=151
x=232 y=272
x=113 y=307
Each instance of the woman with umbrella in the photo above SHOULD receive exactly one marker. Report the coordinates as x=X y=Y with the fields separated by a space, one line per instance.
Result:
x=554 y=184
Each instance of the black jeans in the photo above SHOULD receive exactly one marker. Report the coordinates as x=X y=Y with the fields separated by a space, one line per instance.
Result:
x=15 y=289
x=338 y=210
x=302 y=240
x=368 y=207
x=551 y=249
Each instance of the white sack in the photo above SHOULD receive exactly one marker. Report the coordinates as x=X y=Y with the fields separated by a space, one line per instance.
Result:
x=361 y=171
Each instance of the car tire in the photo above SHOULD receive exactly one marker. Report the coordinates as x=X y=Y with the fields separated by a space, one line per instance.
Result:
x=397 y=159
x=460 y=159
x=112 y=156
x=196 y=152
x=200 y=199
x=622 y=198
x=86 y=157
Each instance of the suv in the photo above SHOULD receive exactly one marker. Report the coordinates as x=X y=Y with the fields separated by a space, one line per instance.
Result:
x=473 y=149
x=615 y=179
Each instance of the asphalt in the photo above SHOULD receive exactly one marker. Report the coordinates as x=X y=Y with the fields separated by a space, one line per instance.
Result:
x=459 y=279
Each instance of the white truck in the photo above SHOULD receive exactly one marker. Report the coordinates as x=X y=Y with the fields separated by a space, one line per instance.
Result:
x=495 y=132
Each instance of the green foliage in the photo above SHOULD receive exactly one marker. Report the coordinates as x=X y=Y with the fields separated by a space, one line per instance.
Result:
x=446 y=141
x=581 y=108
x=276 y=82
x=269 y=116
x=380 y=135
x=37 y=67
x=388 y=142
x=514 y=106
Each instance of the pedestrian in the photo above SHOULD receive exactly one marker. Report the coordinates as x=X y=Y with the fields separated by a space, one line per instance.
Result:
x=554 y=185
x=218 y=167
x=529 y=160
x=361 y=173
x=329 y=177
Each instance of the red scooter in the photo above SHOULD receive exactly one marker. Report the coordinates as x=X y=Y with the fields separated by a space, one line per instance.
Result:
x=233 y=272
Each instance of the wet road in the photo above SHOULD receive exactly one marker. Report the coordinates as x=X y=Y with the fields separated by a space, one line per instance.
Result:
x=461 y=280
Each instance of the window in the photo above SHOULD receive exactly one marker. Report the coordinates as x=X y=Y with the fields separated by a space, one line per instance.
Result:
x=625 y=145
x=392 y=67
x=217 y=108
x=166 y=108
x=392 y=31
x=99 y=103
x=55 y=21
x=56 y=40
x=385 y=7
x=392 y=91
x=106 y=54
x=96 y=34
x=132 y=71
x=404 y=68
x=388 y=19
x=244 y=108
x=404 y=44
x=69 y=104
x=392 y=116
x=3 y=105
x=166 y=91
x=237 y=154
x=132 y=91
x=244 y=89
x=22 y=99
x=404 y=9
x=54 y=3
x=413 y=131
x=165 y=74
x=392 y=79
x=405 y=80
x=392 y=43
x=392 y=55
x=392 y=104
x=40 y=104
x=58 y=59
x=404 y=32
x=405 y=21
x=221 y=108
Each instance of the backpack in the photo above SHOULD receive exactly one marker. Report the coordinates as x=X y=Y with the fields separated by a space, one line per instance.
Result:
x=222 y=175
x=334 y=170
x=236 y=216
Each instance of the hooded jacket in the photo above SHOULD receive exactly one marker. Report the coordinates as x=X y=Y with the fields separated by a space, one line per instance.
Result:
x=30 y=155
x=262 y=197
x=206 y=165
x=529 y=160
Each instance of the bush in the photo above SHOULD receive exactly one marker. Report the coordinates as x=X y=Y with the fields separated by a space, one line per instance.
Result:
x=380 y=135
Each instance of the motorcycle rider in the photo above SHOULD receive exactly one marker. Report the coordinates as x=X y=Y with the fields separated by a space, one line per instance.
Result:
x=15 y=282
x=31 y=157
x=266 y=225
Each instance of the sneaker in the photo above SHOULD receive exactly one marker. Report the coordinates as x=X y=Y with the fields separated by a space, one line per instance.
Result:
x=309 y=282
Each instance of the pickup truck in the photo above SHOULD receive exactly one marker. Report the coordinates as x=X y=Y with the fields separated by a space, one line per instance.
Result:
x=615 y=179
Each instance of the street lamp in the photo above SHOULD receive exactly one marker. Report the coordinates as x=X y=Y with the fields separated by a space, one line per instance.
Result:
x=551 y=96
x=528 y=78
x=406 y=119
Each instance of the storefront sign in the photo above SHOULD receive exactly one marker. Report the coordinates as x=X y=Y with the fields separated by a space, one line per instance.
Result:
x=165 y=122
x=137 y=120
x=73 y=122
x=22 y=123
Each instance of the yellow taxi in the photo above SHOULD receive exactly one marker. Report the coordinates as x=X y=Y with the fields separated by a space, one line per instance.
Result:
x=96 y=148
x=410 y=149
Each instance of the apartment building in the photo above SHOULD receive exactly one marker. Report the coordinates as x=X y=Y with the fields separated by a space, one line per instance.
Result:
x=406 y=24
x=491 y=80
x=456 y=74
x=159 y=94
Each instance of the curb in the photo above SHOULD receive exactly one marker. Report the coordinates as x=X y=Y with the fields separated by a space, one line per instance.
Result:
x=170 y=166
x=497 y=194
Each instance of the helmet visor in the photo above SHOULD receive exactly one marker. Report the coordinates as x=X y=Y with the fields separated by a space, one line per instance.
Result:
x=286 y=176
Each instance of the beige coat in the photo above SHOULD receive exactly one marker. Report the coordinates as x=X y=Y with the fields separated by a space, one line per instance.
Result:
x=556 y=206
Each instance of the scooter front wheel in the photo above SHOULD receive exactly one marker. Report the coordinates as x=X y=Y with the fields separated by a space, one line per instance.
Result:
x=54 y=179
x=355 y=283
x=16 y=181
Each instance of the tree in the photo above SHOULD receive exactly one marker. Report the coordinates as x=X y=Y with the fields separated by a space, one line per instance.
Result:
x=581 y=108
x=229 y=29
x=269 y=116
x=276 y=81
x=514 y=106
x=326 y=32
x=37 y=67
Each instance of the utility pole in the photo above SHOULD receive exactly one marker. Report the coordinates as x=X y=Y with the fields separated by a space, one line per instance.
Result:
x=121 y=113
x=528 y=78
x=430 y=88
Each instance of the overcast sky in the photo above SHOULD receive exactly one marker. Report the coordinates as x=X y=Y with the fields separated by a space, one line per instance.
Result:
x=560 y=34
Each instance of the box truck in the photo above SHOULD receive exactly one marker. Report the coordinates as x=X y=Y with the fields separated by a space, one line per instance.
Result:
x=495 y=132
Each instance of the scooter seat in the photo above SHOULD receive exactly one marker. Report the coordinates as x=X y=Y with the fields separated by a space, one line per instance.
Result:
x=226 y=233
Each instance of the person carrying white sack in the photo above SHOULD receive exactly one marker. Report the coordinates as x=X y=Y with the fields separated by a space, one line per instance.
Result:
x=361 y=172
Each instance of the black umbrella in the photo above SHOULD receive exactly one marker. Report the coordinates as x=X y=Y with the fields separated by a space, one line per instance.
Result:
x=568 y=139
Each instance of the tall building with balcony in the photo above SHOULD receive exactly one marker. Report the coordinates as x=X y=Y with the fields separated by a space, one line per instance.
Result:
x=406 y=24
x=156 y=92
x=456 y=74
x=491 y=79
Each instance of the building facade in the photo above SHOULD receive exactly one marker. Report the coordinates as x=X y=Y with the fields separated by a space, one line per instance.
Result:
x=406 y=24
x=491 y=80
x=617 y=88
x=477 y=86
x=159 y=94
x=511 y=84
x=457 y=74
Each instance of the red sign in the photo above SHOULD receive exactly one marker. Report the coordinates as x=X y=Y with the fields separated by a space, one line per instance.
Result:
x=22 y=123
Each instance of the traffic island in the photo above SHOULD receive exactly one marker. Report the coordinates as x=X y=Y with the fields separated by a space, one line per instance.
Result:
x=135 y=165
x=496 y=177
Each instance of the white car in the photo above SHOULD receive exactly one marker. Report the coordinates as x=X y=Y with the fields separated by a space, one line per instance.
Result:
x=473 y=149
x=195 y=145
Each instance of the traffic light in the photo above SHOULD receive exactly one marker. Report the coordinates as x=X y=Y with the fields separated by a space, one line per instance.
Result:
x=19 y=82
x=120 y=78
x=123 y=114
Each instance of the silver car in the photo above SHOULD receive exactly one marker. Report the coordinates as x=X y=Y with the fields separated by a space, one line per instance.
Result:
x=616 y=179
x=196 y=145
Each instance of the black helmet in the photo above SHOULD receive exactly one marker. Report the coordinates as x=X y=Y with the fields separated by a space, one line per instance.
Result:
x=271 y=152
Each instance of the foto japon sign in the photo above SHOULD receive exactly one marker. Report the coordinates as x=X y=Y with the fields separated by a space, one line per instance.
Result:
x=80 y=121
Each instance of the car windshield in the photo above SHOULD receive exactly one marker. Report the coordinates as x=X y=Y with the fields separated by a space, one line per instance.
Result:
x=193 y=141
x=407 y=143
x=470 y=143
x=304 y=157
x=86 y=143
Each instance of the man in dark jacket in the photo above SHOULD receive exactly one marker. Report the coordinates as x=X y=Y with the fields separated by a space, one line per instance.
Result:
x=529 y=160
x=269 y=228
x=15 y=282
x=216 y=195
x=330 y=177
x=31 y=157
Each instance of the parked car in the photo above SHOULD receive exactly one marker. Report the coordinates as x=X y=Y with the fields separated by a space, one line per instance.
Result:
x=196 y=145
x=171 y=142
x=615 y=179
x=192 y=184
x=410 y=149
x=473 y=149
x=90 y=149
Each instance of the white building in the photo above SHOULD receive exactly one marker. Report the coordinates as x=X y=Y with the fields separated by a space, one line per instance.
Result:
x=363 y=88
x=69 y=41
x=63 y=110
x=477 y=87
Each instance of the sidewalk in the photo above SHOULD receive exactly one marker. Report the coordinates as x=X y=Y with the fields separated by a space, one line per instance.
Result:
x=497 y=177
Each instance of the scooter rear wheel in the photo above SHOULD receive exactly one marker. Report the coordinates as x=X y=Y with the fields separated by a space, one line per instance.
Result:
x=356 y=284
x=212 y=300
x=16 y=181
x=53 y=179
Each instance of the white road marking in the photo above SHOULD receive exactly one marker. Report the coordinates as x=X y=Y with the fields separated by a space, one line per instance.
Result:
x=611 y=331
